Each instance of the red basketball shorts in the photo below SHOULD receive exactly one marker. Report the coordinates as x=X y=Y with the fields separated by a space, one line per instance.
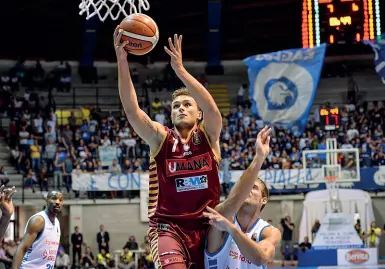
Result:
x=173 y=247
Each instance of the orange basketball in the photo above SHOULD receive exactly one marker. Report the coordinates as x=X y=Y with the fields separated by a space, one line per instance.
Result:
x=142 y=33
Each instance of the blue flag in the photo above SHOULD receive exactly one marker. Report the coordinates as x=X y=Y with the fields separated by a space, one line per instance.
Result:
x=379 y=57
x=283 y=85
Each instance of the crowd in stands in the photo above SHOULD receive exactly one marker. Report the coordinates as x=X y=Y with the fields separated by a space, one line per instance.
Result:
x=46 y=152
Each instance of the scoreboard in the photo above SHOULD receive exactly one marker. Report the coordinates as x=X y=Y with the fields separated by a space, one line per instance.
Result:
x=339 y=21
x=330 y=118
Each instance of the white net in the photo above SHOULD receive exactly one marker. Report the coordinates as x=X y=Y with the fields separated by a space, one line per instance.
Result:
x=112 y=8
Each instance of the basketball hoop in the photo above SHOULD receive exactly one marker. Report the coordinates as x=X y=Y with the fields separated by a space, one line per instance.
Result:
x=112 y=8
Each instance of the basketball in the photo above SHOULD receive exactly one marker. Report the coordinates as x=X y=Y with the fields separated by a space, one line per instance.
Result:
x=142 y=33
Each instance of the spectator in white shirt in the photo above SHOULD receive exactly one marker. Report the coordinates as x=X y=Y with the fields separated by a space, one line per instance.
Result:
x=352 y=132
x=123 y=134
x=38 y=124
x=105 y=141
x=240 y=95
x=52 y=121
x=50 y=135
x=160 y=117
x=23 y=135
x=115 y=168
x=63 y=260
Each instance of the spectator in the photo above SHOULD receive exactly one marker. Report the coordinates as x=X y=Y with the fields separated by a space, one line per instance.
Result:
x=315 y=228
x=30 y=180
x=131 y=243
x=43 y=179
x=359 y=231
x=77 y=242
x=3 y=176
x=35 y=156
x=126 y=259
x=58 y=171
x=305 y=245
x=115 y=168
x=62 y=260
x=88 y=258
x=146 y=243
x=374 y=235
x=287 y=238
x=156 y=106
x=104 y=259
x=103 y=239
x=240 y=95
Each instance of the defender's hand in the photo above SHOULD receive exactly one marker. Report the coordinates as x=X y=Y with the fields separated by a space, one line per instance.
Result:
x=262 y=145
x=218 y=221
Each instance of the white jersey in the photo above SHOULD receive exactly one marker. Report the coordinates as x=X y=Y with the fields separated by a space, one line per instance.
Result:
x=42 y=254
x=229 y=256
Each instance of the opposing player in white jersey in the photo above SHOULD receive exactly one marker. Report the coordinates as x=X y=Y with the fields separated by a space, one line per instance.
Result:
x=239 y=238
x=40 y=243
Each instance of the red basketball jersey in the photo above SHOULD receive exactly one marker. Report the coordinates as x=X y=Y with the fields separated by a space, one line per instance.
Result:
x=183 y=180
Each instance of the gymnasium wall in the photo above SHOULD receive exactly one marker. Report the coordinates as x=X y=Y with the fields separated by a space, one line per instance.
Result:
x=123 y=220
x=120 y=220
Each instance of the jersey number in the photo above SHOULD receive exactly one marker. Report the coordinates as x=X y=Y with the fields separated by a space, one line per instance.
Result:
x=175 y=144
x=48 y=266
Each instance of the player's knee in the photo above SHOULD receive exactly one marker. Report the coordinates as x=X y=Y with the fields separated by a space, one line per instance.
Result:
x=172 y=261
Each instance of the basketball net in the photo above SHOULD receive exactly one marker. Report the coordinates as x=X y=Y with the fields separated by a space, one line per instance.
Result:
x=331 y=175
x=112 y=8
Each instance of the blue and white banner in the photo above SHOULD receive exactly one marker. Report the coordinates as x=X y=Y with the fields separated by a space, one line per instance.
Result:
x=283 y=85
x=278 y=181
x=107 y=181
x=379 y=57
x=107 y=155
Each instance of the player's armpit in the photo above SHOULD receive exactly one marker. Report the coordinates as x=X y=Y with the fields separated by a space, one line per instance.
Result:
x=35 y=227
x=152 y=132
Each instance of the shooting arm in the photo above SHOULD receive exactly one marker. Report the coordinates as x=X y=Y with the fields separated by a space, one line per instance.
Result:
x=212 y=115
x=151 y=132
x=241 y=189
x=35 y=226
x=4 y=222
x=257 y=253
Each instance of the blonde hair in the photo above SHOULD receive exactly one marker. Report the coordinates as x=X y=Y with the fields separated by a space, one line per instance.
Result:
x=180 y=92
x=264 y=190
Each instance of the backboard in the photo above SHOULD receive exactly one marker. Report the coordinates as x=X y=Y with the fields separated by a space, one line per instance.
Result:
x=334 y=165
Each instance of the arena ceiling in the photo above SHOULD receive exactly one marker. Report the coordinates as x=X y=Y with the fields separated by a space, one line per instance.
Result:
x=53 y=29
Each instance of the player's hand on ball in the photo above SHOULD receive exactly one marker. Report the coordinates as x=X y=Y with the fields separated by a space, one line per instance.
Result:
x=218 y=221
x=6 y=204
x=262 y=144
x=175 y=52
x=121 y=53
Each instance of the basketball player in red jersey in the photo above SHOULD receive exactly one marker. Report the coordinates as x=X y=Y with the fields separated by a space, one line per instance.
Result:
x=183 y=163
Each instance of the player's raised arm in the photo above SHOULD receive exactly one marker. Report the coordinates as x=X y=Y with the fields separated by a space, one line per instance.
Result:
x=242 y=188
x=34 y=228
x=151 y=132
x=211 y=114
